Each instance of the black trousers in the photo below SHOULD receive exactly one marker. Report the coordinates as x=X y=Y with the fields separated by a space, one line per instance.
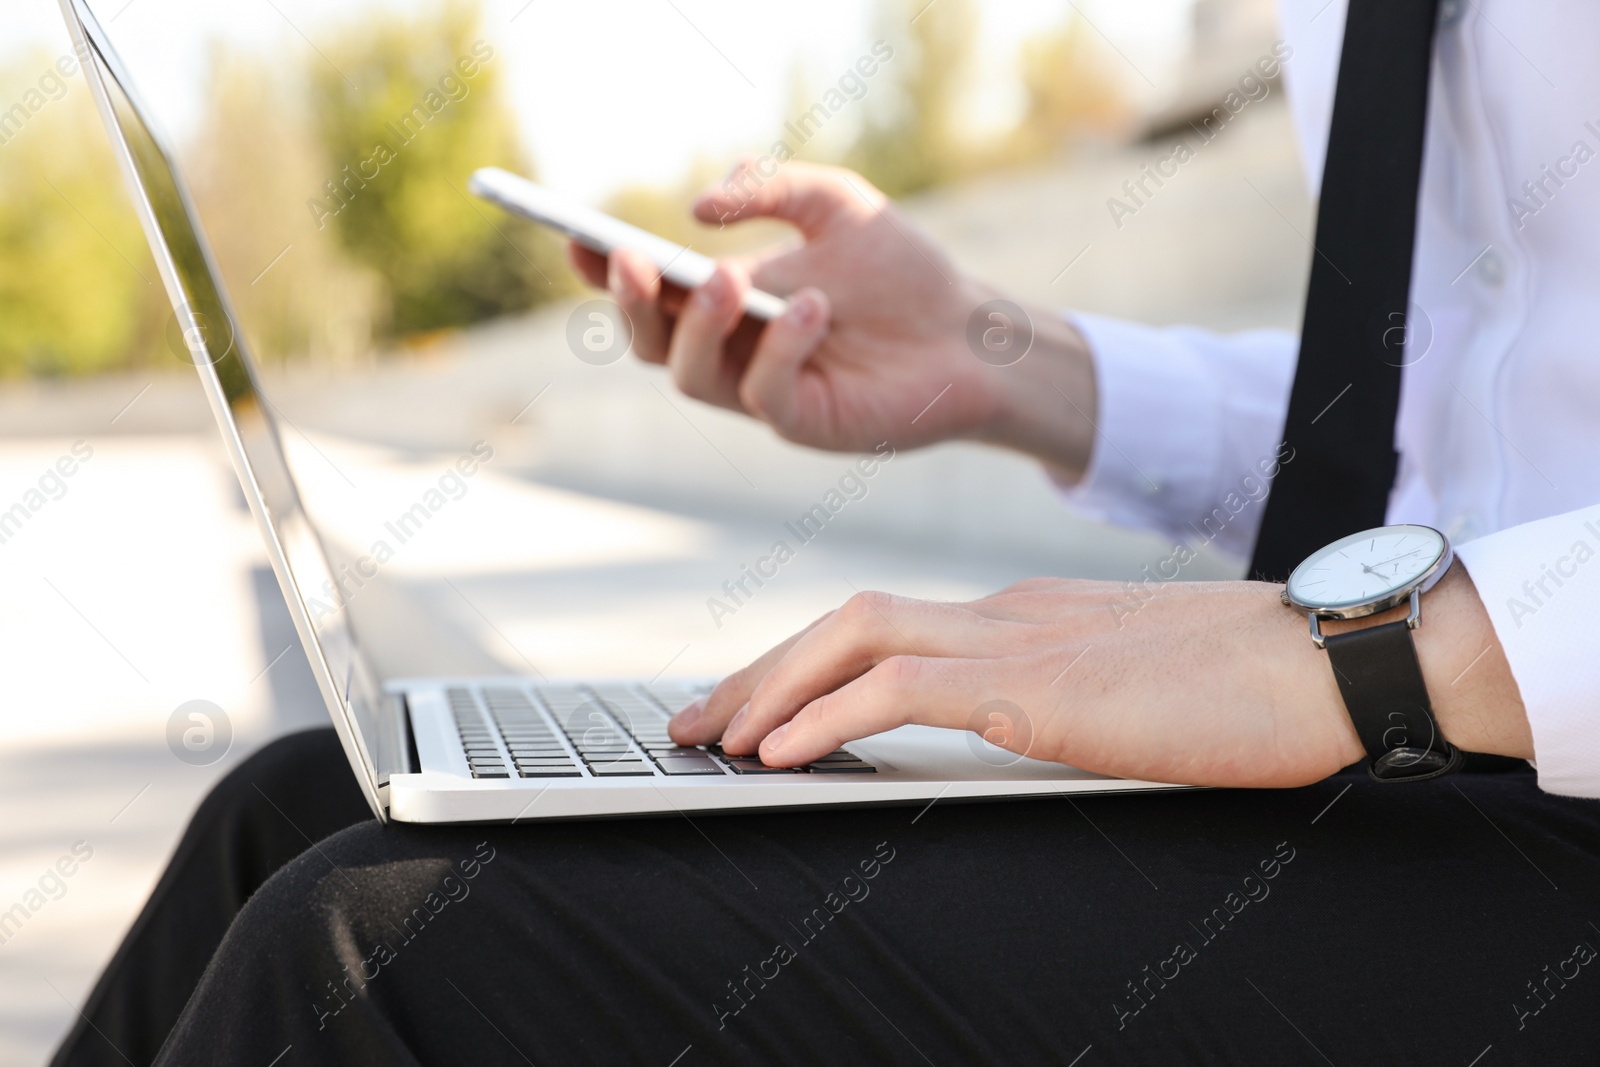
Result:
x=1448 y=922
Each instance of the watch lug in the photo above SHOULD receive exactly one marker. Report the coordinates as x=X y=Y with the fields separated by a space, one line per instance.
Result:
x=1414 y=619
x=1316 y=631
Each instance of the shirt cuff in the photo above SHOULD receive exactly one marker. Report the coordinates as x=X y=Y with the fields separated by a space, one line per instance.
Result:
x=1540 y=583
x=1157 y=428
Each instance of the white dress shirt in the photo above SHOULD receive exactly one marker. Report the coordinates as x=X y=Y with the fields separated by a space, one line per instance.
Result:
x=1499 y=423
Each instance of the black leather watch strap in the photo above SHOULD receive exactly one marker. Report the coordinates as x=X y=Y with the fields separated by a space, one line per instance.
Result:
x=1381 y=682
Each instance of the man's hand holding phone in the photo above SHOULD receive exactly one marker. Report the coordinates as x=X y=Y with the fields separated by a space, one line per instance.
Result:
x=873 y=346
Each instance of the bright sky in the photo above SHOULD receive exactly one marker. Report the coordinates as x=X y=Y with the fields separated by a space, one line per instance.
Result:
x=611 y=91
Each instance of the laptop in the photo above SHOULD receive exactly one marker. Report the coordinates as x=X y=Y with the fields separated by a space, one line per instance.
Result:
x=449 y=750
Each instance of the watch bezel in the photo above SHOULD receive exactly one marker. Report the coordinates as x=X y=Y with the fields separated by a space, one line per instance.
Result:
x=1421 y=583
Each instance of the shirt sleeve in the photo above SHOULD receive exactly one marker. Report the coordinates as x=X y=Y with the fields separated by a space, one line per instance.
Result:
x=1541 y=585
x=1187 y=429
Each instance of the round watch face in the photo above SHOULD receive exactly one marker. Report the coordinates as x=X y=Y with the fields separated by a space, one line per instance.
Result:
x=1368 y=568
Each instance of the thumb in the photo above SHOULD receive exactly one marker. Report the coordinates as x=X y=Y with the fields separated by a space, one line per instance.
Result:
x=768 y=389
x=806 y=195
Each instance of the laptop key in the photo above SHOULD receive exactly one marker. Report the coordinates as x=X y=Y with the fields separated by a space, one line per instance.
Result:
x=689 y=765
x=755 y=766
x=549 y=772
x=622 y=770
x=684 y=757
x=842 y=768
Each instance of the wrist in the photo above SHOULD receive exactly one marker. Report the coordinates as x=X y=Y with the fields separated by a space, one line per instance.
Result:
x=1474 y=695
x=1044 y=405
x=1305 y=680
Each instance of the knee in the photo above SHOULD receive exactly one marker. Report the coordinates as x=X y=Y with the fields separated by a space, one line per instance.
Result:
x=306 y=944
x=365 y=884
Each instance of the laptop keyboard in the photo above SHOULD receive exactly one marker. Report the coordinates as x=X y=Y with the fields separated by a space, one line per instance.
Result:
x=602 y=731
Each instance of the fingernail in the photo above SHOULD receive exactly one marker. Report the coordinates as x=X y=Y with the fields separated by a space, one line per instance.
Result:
x=775 y=738
x=690 y=714
x=733 y=724
x=804 y=310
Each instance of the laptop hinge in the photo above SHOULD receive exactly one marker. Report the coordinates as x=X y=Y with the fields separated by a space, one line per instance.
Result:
x=397 y=750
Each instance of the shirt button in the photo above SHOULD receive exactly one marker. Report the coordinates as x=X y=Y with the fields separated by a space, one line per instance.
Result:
x=1491 y=269
x=1450 y=12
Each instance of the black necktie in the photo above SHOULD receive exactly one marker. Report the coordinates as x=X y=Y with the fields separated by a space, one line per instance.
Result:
x=1347 y=383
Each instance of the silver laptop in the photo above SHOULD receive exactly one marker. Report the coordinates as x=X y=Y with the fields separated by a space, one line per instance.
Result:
x=435 y=750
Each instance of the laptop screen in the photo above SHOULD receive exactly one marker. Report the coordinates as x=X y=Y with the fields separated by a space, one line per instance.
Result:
x=204 y=321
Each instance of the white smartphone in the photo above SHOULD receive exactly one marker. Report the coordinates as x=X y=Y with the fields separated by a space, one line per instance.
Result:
x=601 y=233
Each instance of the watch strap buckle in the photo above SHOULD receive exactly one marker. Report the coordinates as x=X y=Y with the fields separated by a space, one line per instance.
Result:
x=1411 y=764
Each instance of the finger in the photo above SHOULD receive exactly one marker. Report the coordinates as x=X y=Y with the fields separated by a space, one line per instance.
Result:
x=672 y=299
x=869 y=629
x=590 y=265
x=636 y=287
x=695 y=351
x=808 y=196
x=769 y=389
x=898 y=691
x=703 y=721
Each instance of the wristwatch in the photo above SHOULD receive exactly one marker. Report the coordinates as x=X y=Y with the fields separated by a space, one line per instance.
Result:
x=1376 y=667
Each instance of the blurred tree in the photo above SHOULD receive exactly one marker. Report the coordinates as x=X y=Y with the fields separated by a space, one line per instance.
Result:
x=79 y=292
x=1073 y=91
x=908 y=133
x=404 y=112
x=911 y=138
x=296 y=291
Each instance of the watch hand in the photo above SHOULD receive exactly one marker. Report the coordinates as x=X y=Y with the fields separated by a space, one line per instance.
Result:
x=1390 y=560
